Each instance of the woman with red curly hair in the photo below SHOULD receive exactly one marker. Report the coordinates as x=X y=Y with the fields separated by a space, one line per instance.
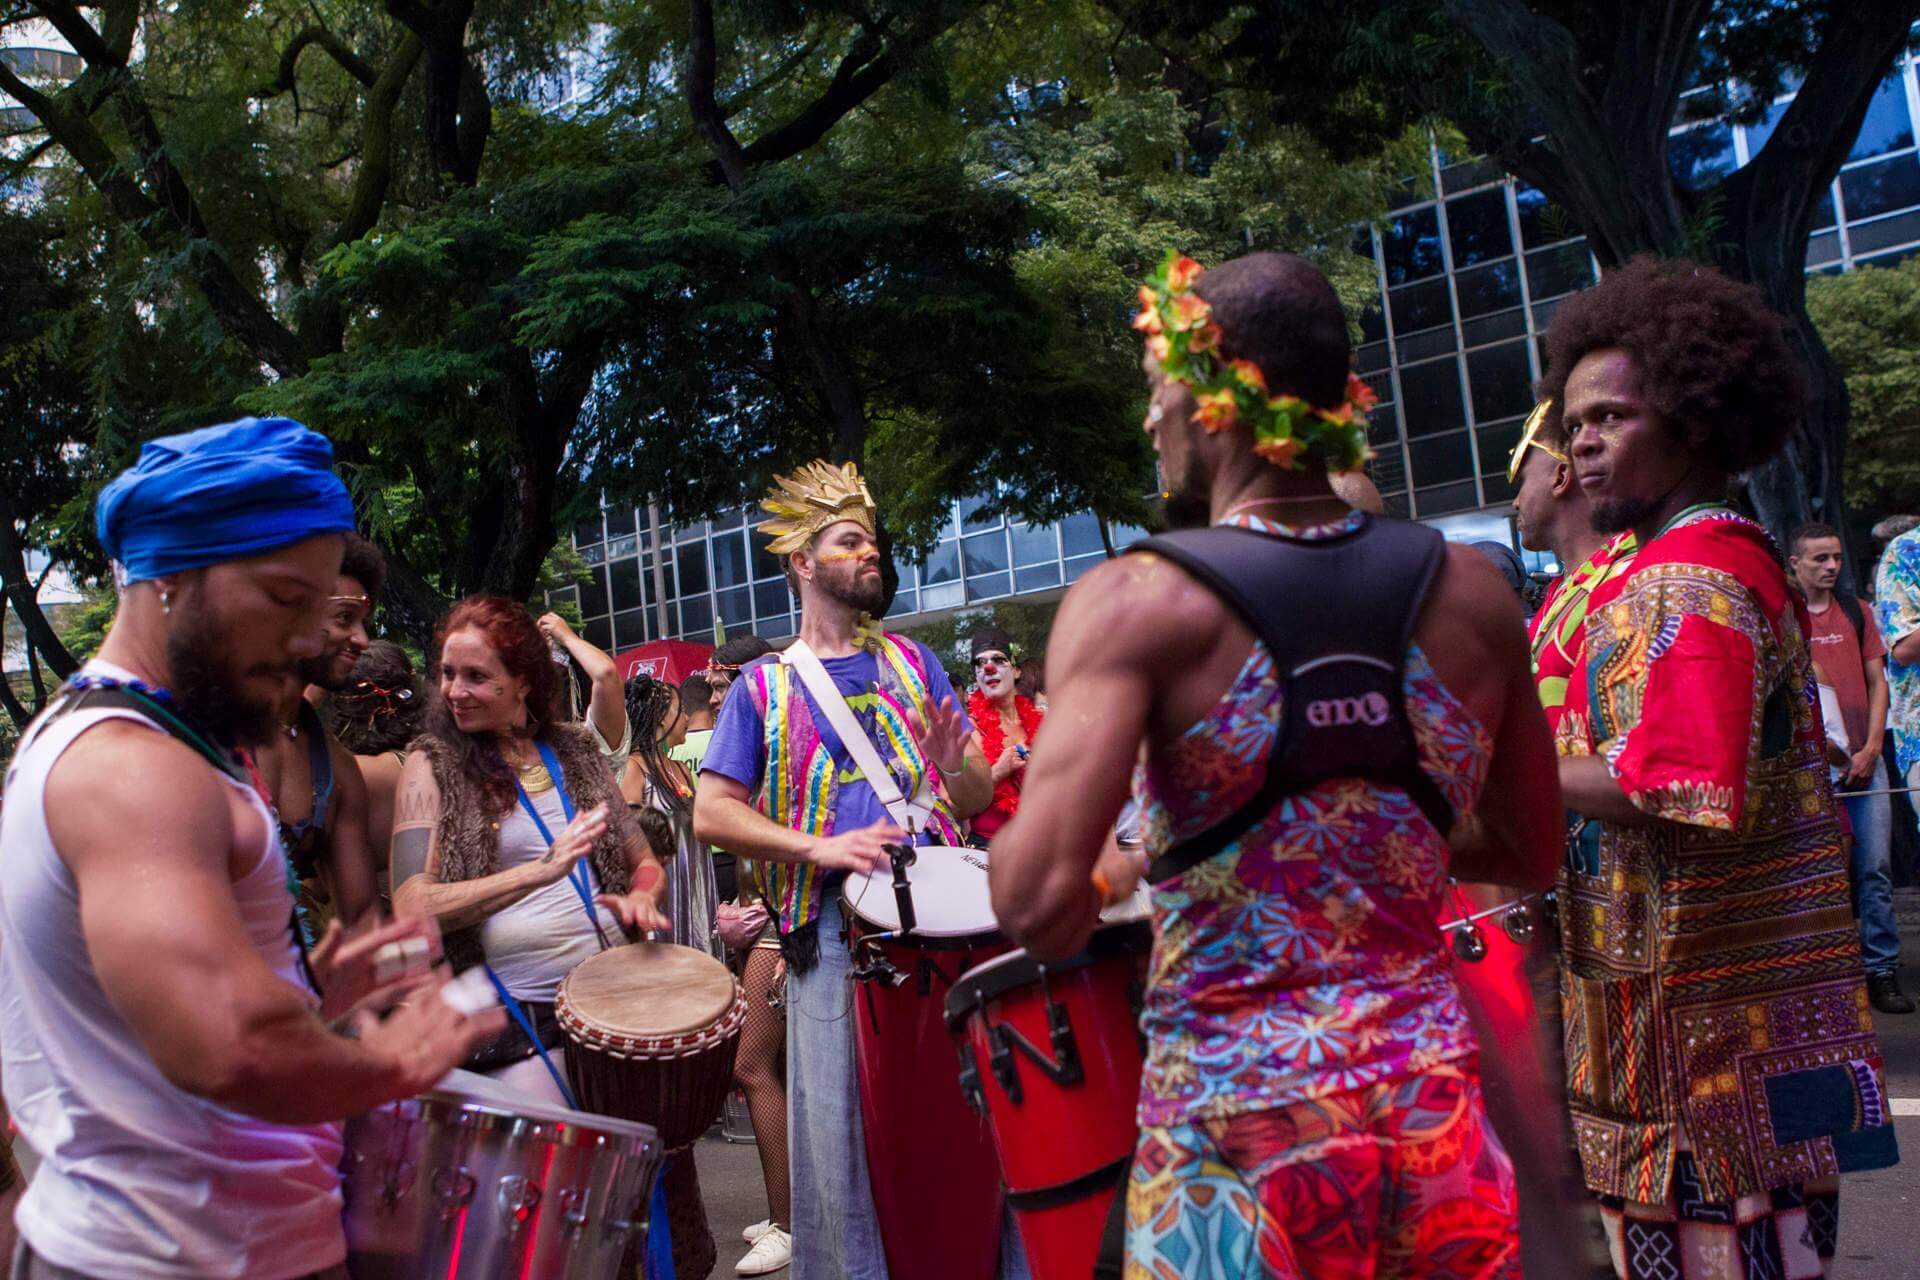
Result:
x=510 y=831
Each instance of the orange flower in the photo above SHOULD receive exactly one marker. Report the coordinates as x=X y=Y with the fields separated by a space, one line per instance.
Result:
x=1182 y=272
x=1218 y=410
x=1158 y=347
x=1339 y=416
x=1281 y=451
x=1204 y=339
x=1359 y=394
x=1249 y=375
x=1148 y=321
x=1189 y=312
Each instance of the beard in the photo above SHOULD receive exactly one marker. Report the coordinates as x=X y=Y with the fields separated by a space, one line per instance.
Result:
x=1187 y=507
x=1620 y=514
x=206 y=683
x=319 y=672
x=856 y=590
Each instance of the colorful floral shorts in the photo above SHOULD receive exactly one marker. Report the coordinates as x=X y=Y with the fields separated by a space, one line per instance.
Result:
x=1395 y=1180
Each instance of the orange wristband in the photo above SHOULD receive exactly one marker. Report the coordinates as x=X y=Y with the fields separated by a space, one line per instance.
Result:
x=1102 y=886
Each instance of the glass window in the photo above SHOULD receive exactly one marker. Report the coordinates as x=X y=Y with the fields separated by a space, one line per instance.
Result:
x=593 y=594
x=1885 y=259
x=904 y=601
x=989 y=586
x=974 y=514
x=1487 y=289
x=1035 y=544
x=765 y=563
x=1762 y=129
x=1480 y=331
x=1881 y=188
x=1080 y=534
x=1700 y=157
x=1389 y=469
x=1432 y=397
x=1541 y=221
x=627 y=593
x=985 y=552
x=1823 y=212
x=587 y=532
x=1037 y=578
x=947 y=595
x=696 y=617
x=1501 y=380
x=1373 y=323
x=1383 y=424
x=1493 y=485
x=1411 y=245
x=1372 y=357
x=942 y=566
x=736 y=609
x=1823 y=248
x=1477 y=228
x=730 y=519
x=1496 y=445
x=1446 y=498
x=595 y=554
x=729 y=560
x=632 y=628
x=1467 y=174
x=599 y=633
x=690 y=532
x=1427 y=344
x=1887 y=126
x=1080 y=564
x=1552 y=272
x=1901 y=228
x=622 y=546
x=692 y=558
x=772 y=599
x=1440 y=458
x=1420 y=306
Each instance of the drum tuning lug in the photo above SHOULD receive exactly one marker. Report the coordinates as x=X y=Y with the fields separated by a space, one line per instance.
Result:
x=573 y=1212
x=1000 y=1062
x=970 y=1086
x=517 y=1198
x=1518 y=923
x=1470 y=944
x=453 y=1189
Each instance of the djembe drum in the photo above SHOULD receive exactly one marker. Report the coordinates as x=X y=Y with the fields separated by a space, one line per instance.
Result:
x=651 y=1030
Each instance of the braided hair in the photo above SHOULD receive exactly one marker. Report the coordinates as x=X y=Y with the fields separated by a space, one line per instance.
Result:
x=380 y=707
x=651 y=707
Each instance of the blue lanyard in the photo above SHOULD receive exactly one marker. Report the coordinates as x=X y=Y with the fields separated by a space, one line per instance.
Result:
x=526 y=1025
x=579 y=876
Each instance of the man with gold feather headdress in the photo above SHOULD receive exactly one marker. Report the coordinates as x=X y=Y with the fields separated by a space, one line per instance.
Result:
x=774 y=788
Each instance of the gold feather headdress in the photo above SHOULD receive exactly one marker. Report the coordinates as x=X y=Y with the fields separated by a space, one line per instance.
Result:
x=813 y=497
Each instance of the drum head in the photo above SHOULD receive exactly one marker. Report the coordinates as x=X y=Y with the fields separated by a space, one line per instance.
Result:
x=949 y=894
x=648 y=990
x=495 y=1101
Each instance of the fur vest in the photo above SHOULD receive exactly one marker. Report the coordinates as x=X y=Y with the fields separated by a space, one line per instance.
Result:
x=470 y=829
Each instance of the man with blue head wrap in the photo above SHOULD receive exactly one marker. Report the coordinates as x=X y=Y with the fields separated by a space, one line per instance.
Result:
x=165 y=1050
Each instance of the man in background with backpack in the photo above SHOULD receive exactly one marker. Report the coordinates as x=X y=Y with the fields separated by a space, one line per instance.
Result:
x=1851 y=661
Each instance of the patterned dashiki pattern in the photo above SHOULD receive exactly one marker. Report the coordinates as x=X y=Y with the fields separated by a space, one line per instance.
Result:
x=1896 y=590
x=1710 y=967
x=1559 y=625
x=1305 y=959
x=1401 y=1179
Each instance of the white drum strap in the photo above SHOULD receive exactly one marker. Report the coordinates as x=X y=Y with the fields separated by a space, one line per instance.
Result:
x=910 y=815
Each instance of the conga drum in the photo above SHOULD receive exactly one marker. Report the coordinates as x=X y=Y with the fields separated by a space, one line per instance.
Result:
x=930 y=1158
x=651 y=1030
x=1051 y=1055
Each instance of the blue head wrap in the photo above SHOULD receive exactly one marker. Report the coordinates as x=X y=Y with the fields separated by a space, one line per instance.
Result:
x=221 y=493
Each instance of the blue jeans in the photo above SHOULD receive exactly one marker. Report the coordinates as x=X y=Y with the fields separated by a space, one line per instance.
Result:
x=836 y=1232
x=1872 y=821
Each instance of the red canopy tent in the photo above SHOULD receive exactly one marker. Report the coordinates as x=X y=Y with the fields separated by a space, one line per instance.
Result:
x=669 y=660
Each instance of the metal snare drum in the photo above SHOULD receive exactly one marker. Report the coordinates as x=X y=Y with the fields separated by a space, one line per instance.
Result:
x=470 y=1187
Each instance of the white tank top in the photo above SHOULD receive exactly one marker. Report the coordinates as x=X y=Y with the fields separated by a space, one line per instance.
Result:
x=138 y=1178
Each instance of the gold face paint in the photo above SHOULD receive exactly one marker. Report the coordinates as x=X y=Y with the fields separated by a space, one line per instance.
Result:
x=836 y=557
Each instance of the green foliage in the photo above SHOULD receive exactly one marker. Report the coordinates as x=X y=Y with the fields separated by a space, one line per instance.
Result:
x=1870 y=318
x=83 y=626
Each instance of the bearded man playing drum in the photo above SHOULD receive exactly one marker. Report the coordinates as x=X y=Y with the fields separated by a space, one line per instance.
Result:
x=1311 y=1102
x=774 y=787
x=164 y=1054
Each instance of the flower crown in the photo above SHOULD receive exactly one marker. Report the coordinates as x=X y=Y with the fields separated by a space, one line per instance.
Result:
x=1185 y=341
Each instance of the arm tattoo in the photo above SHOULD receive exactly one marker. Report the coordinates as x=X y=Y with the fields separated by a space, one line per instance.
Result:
x=411 y=847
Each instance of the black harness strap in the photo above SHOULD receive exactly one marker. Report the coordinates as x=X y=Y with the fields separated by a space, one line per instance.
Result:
x=1337 y=615
x=150 y=711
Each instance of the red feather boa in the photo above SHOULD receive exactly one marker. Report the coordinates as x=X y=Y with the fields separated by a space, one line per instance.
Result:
x=993 y=739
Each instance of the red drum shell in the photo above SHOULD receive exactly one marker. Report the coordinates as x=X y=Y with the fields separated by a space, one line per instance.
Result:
x=930 y=1159
x=1059 y=1135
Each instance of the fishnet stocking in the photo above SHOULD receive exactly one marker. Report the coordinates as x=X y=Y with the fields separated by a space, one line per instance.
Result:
x=760 y=1071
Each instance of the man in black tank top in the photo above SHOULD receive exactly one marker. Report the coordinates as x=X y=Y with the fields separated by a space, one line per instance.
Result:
x=311 y=780
x=1251 y=406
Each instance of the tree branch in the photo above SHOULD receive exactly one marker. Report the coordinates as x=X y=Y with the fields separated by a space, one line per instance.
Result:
x=21 y=595
x=332 y=45
x=375 y=174
x=707 y=120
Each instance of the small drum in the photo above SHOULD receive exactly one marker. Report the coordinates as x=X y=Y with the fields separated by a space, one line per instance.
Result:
x=651 y=1033
x=459 y=1187
x=930 y=1159
x=1051 y=1055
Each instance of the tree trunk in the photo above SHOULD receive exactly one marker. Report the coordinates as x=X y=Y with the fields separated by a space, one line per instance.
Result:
x=21 y=594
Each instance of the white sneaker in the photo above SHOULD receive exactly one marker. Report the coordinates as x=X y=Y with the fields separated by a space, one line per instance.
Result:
x=770 y=1252
x=753 y=1233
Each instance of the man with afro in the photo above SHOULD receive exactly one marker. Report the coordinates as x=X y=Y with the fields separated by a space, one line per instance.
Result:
x=1722 y=1066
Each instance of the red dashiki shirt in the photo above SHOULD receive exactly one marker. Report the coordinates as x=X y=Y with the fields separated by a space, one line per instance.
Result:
x=1305 y=959
x=1710 y=964
x=1559 y=625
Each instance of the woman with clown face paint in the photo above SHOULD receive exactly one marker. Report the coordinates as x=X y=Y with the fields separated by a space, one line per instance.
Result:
x=1005 y=724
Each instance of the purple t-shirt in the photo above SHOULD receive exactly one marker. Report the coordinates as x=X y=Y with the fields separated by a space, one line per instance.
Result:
x=738 y=748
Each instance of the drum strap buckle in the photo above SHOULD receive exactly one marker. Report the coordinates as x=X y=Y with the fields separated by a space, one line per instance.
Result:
x=1063 y=1068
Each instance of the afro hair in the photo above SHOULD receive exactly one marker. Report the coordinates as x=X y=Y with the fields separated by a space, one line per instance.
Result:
x=1713 y=358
